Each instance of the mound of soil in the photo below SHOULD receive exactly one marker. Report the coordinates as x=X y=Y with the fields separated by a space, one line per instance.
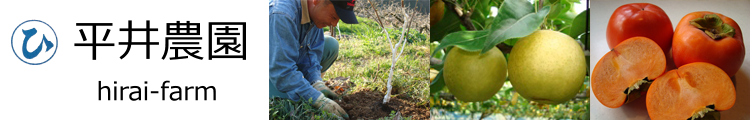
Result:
x=339 y=84
x=369 y=105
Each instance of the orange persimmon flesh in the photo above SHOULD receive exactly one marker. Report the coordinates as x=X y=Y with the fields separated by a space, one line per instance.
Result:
x=624 y=66
x=680 y=93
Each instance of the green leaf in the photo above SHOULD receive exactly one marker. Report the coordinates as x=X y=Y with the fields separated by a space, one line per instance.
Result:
x=512 y=9
x=567 y=20
x=439 y=53
x=437 y=67
x=450 y=23
x=569 y=15
x=565 y=16
x=466 y=40
x=516 y=28
x=573 y=1
x=510 y=42
x=558 y=22
x=579 y=25
x=507 y=92
x=549 y=2
x=515 y=20
x=559 y=8
x=437 y=84
x=478 y=25
x=480 y=12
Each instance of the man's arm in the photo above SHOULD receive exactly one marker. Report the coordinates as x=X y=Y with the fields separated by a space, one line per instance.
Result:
x=283 y=44
x=311 y=71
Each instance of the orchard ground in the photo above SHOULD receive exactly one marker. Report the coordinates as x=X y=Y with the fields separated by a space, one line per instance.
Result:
x=360 y=76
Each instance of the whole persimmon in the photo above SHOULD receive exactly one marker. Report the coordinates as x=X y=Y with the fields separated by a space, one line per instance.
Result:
x=640 y=19
x=709 y=37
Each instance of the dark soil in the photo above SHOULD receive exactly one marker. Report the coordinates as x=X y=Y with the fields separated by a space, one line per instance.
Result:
x=339 y=84
x=369 y=105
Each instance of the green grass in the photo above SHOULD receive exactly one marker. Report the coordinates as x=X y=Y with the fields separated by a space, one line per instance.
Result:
x=393 y=115
x=285 y=109
x=365 y=58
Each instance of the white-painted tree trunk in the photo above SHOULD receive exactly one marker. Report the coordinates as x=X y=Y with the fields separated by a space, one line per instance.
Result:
x=395 y=56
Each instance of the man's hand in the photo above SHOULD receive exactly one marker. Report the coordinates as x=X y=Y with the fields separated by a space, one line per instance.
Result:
x=330 y=106
x=320 y=86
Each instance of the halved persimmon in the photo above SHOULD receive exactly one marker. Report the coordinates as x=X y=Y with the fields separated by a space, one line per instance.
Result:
x=625 y=72
x=690 y=91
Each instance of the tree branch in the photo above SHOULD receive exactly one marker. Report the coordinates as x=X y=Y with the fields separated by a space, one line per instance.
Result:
x=503 y=47
x=464 y=17
x=388 y=36
x=376 y=14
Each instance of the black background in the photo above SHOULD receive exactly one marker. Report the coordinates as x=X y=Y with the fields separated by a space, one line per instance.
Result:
x=137 y=60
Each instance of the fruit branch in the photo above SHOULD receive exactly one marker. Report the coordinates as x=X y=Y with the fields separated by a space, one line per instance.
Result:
x=504 y=48
x=465 y=17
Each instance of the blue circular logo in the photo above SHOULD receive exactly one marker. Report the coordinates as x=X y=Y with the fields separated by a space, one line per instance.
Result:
x=25 y=38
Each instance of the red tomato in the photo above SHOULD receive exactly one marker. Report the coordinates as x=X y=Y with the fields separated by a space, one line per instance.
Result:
x=692 y=44
x=640 y=19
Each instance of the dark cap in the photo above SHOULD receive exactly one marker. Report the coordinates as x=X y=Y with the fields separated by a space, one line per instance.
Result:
x=345 y=10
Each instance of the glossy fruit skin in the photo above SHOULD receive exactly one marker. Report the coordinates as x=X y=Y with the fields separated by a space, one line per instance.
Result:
x=693 y=45
x=640 y=19
x=547 y=67
x=437 y=10
x=473 y=76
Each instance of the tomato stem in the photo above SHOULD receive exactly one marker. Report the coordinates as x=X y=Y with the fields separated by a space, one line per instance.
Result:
x=713 y=26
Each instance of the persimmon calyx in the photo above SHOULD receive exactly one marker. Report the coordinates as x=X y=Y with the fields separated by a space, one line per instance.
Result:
x=637 y=85
x=713 y=26
x=634 y=91
x=707 y=113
